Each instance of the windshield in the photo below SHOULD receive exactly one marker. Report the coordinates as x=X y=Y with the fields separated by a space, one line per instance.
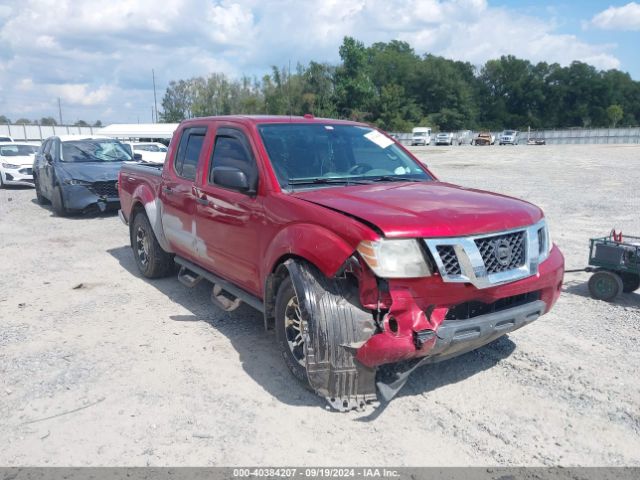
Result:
x=17 y=150
x=93 y=150
x=301 y=152
x=509 y=132
x=420 y=134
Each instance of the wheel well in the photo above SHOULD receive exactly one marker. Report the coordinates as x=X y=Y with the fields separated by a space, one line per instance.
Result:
x=135 y=210
x=272 y=283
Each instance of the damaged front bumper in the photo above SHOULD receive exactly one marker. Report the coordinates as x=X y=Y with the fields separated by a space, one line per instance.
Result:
x=85 y=197
x=421 y=311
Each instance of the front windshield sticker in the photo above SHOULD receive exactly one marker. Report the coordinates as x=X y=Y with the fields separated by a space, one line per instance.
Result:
x=379 y=139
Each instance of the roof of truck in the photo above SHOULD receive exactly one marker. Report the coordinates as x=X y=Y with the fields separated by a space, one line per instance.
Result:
x=257 y=119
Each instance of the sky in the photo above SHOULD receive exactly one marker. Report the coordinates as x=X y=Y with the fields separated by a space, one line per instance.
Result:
x=97 y=57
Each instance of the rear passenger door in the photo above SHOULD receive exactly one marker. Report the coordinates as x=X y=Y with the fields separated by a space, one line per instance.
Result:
x=230 y=219
x=177 y=194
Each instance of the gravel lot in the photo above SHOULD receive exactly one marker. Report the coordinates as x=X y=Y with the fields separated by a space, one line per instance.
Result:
x=101 y=367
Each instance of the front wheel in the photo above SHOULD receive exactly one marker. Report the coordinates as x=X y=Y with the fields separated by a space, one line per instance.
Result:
x=152 y=260
x=605 y=285
x=291 y=330
x=58 y=202
x=39 y=197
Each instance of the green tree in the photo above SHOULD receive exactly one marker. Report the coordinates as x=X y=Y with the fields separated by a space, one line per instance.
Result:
x=615 y=114
x=4 y=120
x=355 y=91
x=97 y=123
x=49 y=121
x=177 y=101
x=81 y=123
x=23 y=121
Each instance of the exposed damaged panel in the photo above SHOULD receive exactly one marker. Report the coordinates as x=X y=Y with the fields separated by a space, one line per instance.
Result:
x=337 y=327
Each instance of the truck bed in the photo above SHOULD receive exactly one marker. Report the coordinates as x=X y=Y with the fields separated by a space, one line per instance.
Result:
x=142 y=177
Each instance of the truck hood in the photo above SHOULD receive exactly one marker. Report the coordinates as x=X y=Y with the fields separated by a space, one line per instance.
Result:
x=92 y=171
x=426 y=209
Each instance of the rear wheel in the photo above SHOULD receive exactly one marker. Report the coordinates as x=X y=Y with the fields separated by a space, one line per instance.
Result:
x=58 y=202
x=152 y=260
x=605 y=285
x=630 y=282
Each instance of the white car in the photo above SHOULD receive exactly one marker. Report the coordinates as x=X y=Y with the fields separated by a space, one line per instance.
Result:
x=152 y=152
x=16 y=163
x=444 y=138
x=509 y=137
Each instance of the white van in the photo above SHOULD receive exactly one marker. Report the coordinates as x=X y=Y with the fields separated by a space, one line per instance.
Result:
x=421 y=136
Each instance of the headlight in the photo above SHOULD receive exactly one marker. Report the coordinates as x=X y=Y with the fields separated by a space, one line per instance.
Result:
x=10 y=165
x=395 y=258
x=544 y=241
x=74 y=181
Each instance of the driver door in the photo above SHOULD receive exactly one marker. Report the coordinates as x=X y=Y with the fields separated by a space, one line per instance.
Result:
x=230 y=221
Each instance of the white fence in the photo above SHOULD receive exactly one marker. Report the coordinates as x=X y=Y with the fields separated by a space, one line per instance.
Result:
x=568 y=136
x=37 y=133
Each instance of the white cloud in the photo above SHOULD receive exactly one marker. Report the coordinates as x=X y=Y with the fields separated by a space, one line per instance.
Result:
x=97 y=56
x=25 y=84
x=81 y=94
x=626 y=17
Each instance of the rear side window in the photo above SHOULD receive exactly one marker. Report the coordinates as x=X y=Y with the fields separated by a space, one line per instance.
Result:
x=186 y=163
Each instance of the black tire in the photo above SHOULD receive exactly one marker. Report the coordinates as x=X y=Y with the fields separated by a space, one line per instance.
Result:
x=151 y=259
x=58 y=202
x=39 y=197
x=630 y=282
x=287 y=294
x=605 y=285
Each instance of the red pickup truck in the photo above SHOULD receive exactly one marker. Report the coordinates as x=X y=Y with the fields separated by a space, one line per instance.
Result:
x=356 y=254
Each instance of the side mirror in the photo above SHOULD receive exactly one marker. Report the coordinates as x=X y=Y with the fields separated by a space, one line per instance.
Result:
x=137 y=156
x=48 y=158
x=233 y=178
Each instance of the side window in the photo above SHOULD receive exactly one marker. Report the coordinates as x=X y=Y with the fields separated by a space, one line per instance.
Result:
x=232 y=150
x=186 y=162
x=46 y=146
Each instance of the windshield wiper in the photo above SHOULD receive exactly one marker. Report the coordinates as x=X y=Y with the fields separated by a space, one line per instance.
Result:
x=327 y=181
x=393 y=178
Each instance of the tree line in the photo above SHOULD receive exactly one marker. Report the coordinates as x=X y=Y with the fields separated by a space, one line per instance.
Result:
x=45 y=121
x=389 y=85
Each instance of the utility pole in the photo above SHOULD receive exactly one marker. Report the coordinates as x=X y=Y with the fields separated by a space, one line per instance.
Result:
x=59 y=111
x=155 y=101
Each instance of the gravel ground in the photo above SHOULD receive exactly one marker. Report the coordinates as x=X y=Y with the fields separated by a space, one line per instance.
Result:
x=101 y=367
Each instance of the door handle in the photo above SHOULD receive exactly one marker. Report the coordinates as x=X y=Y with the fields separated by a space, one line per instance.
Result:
x=167 y=190
x=202 y=201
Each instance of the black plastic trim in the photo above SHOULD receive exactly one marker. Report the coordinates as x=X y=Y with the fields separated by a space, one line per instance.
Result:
x=246 y=297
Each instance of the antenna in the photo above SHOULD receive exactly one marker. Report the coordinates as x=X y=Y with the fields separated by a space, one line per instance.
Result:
x=289 y=89
x=155 y=101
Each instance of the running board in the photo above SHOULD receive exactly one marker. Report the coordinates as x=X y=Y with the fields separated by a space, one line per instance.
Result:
x=186 y=277
x=239 y=293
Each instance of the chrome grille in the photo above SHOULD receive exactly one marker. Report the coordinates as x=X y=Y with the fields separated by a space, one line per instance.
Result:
x=449 y=259
x=104 y=189
x=502 y=252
